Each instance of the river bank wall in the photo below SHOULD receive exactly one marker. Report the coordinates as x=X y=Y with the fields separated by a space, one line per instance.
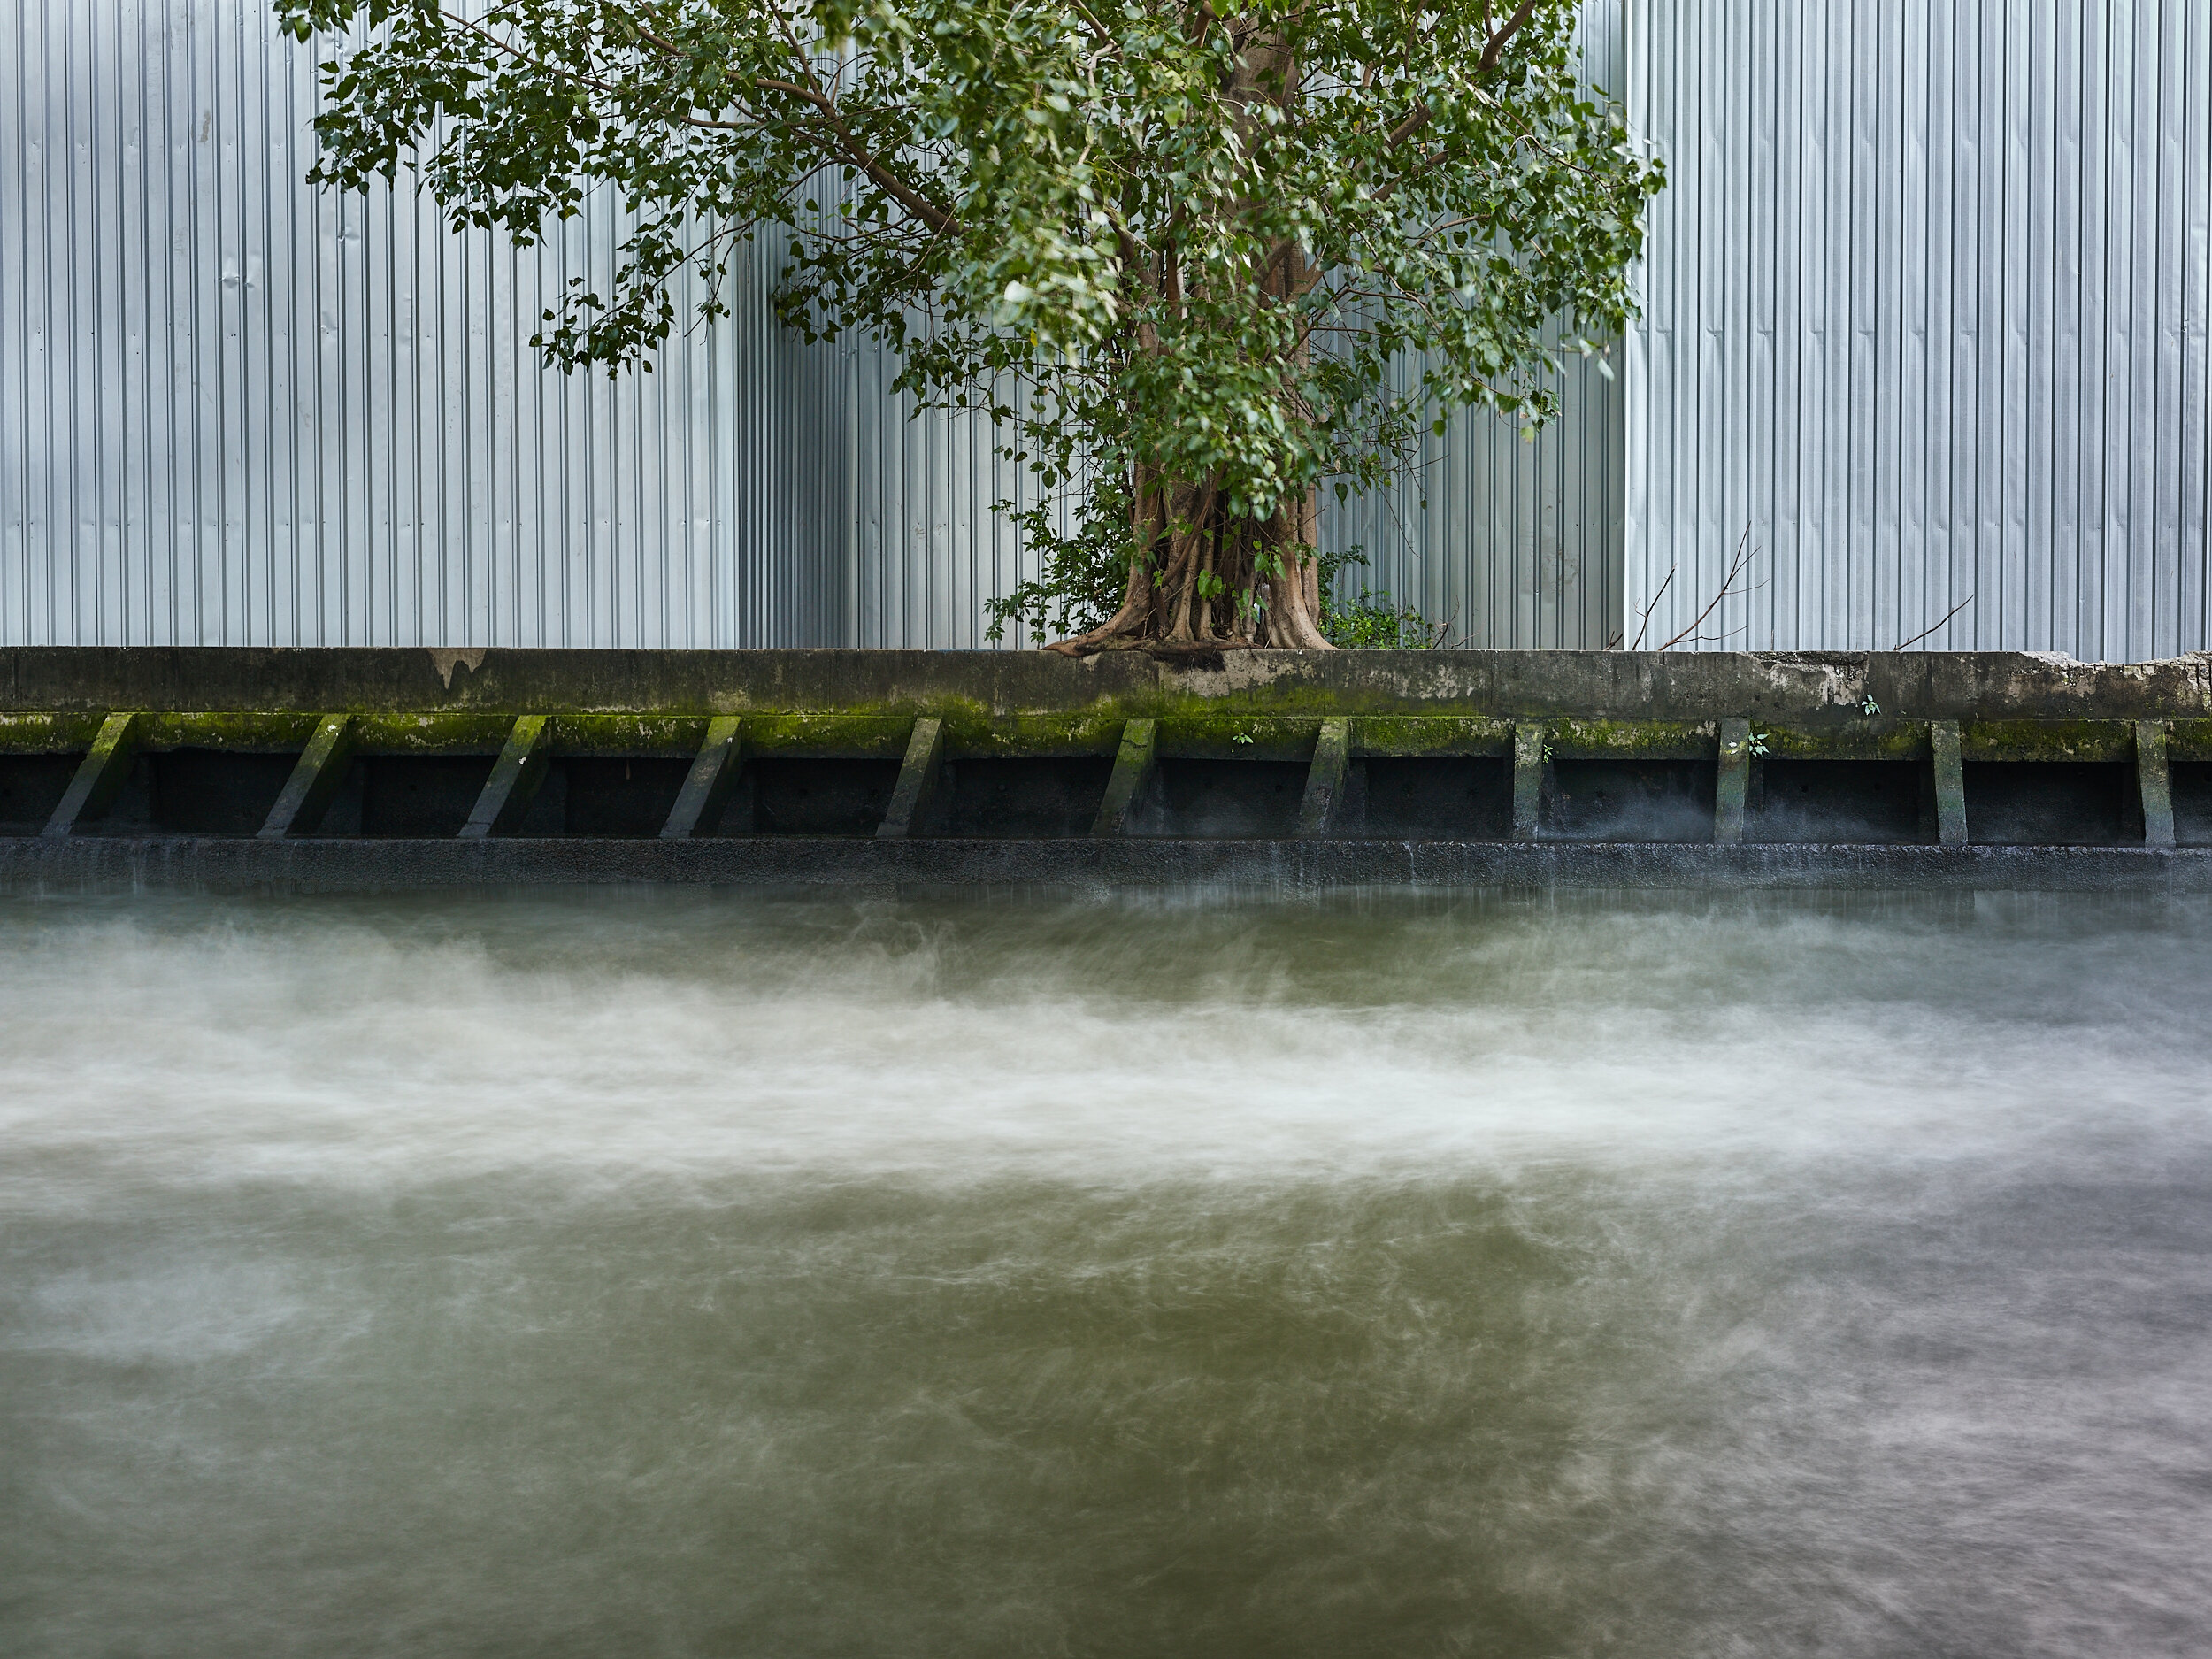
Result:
x=335 y=768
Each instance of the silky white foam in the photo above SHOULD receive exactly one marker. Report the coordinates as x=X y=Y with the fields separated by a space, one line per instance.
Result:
x=346 y=1043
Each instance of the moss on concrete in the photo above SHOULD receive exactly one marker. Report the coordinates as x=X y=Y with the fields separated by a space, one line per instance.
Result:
x=1415 y=735
x=1218 y=735
x=970 y=734
x=626 y=735
x=808 y=735
x=1238 y=712
x=2046 y=740
x=47 y=733
x=2189 y=740
x=1869 y=737
x=248 y=733
x=1631 y=740
x=432 y=733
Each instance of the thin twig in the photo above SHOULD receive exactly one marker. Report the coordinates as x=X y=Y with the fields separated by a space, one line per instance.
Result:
x=1740 y=563
x=1653 y=606
x=1947 y=615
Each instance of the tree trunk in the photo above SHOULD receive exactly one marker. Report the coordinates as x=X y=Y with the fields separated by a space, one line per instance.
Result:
x=1204 y=577
x=1207 y=579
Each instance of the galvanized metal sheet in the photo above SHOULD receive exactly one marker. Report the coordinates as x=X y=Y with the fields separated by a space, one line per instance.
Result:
x=1925 y=324
x=237 y=410
x=1925 y=331
x=1510 y=540
x=234 y=409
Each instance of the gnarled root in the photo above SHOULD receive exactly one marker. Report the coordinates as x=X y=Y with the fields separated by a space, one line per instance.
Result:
x=1127 y=625
x=1290 y=626
x=1169 y=608
x=1294 y=611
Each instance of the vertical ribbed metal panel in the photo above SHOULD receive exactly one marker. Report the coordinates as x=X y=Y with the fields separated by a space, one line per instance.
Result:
x=928 y=549
x=1510 y=541
x=233 y=409
x=1925 y=319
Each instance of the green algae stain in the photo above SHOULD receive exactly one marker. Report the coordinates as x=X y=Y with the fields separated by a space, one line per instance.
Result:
x=243 y=732
x=1571 y=739
x=1415 y=735
x=2046 y=740
x=48 y=733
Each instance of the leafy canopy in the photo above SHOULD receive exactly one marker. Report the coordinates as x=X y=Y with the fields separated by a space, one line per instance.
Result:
x=1140 y=233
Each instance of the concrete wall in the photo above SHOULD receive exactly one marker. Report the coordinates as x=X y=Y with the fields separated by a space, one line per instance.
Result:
x=353 y=768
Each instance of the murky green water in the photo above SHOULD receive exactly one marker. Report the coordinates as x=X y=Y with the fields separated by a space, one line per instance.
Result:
x=680 y=1274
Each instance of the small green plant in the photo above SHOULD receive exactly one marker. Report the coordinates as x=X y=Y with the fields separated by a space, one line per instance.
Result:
x=1242 y=737
x=1866 y=705
x=1375 y=622
x=1758 y=743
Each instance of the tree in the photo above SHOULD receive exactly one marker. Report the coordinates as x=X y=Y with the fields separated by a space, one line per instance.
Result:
x=1196 y=266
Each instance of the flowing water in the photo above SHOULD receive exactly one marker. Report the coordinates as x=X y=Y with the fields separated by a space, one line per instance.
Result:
x=679 y=1274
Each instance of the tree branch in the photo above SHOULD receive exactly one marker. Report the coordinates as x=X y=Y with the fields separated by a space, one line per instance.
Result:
x=1498 y=43
x=1408 y=127
x=936 y=217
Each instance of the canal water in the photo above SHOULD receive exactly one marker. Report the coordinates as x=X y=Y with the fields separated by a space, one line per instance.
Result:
x=684 y=1273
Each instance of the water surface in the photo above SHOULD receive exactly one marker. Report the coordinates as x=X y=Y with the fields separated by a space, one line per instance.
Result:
x=687 y=1274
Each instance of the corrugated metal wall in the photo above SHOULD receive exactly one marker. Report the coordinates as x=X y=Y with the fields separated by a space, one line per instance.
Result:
x=926 y=551
x=1926 y=318
x=1926 y=315
x=1511 y=542
x=233 y=409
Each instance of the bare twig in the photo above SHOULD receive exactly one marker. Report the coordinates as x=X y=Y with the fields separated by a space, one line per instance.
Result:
x=1737 y=565
x=1947 y=615
x=1653 y=606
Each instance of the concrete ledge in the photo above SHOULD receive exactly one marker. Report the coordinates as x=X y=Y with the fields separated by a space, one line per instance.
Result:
x=32 y=863
x=1608 y=685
